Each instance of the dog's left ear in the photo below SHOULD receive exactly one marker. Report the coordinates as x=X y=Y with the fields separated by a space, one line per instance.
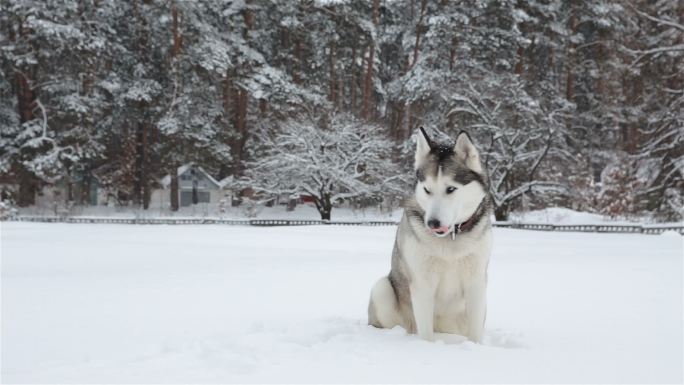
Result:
x=465 y=150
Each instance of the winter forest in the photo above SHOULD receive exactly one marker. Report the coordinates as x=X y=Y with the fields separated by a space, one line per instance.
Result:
x=572 y=103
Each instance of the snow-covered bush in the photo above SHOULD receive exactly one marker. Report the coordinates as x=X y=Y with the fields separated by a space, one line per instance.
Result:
x=333 y=161
x=251 y=208
x=7 y=209
x=618 y=195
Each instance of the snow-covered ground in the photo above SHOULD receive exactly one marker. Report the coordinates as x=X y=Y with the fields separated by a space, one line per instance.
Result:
x=565 y=216
x=125 y=303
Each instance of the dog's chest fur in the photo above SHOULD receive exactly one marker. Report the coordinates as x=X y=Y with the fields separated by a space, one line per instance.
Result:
x=430 y=255
x=450 y=265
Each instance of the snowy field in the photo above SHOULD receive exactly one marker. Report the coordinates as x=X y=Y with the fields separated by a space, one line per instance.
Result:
x=208 y=304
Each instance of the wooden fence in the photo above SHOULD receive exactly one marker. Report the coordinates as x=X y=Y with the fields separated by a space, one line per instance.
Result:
x=595 y=228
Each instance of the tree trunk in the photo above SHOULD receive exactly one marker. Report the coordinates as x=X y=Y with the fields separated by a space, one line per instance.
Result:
x=501 y=212
x=86 y=185
x=25 y=94
x=177 y=37
x=407 y=118
x=240 y=139
x=141 y=192
x=297 y=67
x=147 y=195
x=353 y=81
x=175 y=198
x=28 y=187
x=333 y=74
x=376 y=11
x=241 y=105
x=420 y=29
x=141 y=184
x=227 y=95
x=325 y=209
x=26 y=180
x=520 y=64
x=248 y=17
x=26 y=97
x=368 y=83
x=570 y=66
x=452 y=53
x=175 y=51
x=324 y=206
x=325 y=213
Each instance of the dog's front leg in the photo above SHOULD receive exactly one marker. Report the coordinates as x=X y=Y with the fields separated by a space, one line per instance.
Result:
x=476 y=310
x=423 y=303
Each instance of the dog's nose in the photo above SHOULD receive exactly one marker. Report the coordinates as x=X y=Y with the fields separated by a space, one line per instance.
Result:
x=433 y=224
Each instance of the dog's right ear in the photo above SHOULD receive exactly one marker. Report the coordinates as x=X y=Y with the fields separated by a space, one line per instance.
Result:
x=423 y=146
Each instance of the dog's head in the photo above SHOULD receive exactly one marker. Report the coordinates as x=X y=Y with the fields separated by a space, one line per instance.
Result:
x=451 y=182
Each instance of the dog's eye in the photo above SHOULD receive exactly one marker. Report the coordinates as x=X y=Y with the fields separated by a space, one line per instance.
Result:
x=450 y=189
x=427 y=191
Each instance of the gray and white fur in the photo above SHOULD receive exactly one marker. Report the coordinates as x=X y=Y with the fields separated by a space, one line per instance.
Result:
x=438 y=277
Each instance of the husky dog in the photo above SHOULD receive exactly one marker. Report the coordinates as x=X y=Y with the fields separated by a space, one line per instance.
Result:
x=438 y=278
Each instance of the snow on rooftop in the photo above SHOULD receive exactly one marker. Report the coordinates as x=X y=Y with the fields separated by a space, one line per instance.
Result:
x=166 y=180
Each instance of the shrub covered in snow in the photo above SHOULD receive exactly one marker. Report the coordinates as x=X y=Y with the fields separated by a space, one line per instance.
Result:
x=329 y=161
x=7 y=209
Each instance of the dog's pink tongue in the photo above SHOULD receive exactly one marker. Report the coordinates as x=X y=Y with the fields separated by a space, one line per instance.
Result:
x=442 y=229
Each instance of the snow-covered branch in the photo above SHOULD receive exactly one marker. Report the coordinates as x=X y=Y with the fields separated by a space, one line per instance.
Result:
x=657 y=19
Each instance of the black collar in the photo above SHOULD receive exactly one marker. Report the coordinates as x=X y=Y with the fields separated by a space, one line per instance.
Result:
x=468 y=225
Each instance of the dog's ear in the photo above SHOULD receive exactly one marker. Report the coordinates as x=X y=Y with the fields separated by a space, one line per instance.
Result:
x=465 y=150
x=423 y=146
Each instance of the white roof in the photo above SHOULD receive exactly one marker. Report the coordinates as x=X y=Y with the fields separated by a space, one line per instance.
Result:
x=226 y=181
x=166 y=181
